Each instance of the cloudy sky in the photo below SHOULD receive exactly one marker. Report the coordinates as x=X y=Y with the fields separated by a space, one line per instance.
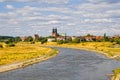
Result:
x=74 y=17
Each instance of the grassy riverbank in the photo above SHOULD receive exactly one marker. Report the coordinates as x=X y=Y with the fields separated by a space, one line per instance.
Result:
x=116 y=75
x=21 y=52
x=107 y=48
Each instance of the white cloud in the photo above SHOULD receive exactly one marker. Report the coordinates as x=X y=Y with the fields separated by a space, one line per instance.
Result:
x=39 y=1
x=104 y=1
x=53 y=22
x=81 y=19
x=1 y=0
x=9 y=7
x=104 y=20
x=101 y=10
x=71 y=24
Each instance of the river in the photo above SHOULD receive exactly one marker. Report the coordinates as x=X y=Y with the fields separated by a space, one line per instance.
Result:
x=70 y=64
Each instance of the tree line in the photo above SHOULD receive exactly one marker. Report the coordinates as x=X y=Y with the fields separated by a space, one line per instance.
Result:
x=10 y=41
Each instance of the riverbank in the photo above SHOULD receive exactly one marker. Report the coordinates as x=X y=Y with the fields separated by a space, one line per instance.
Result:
x=24 y=54
x=116 y=75
x=106 y=48
x=25 y=63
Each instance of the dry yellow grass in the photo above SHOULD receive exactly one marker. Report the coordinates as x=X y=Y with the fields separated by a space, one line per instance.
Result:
x=103 y=47
x=22 y=51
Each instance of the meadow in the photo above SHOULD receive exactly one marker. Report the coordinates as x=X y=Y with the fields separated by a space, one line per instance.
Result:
x=25 y=50
x=21 y=51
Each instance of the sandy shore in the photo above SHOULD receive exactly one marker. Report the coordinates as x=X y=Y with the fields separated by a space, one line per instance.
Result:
x=25 y=63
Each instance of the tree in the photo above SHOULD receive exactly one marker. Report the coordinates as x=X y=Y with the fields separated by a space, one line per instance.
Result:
x=40 y=38
x=117 y=40
x=9 y=40
x=69 y=40
x=18 y=39
x=60 y=42
x=43 y=40
x=111 y=39
x=29 y=39
x=105 y=37
x=83 y=40
x=88 y=35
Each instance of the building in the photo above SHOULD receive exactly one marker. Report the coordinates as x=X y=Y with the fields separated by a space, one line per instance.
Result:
x=116 y=36
x=54 y=32
x=24 y=38
x=36 y=37
x=99 y=38
x=50 y=39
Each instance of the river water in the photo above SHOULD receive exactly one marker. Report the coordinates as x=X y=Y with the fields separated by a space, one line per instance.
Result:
x=70 y=64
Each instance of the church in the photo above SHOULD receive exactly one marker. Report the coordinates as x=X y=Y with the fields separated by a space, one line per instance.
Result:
x=54 y=32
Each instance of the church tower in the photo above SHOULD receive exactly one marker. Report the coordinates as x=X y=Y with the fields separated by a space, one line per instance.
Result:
x=54 y=32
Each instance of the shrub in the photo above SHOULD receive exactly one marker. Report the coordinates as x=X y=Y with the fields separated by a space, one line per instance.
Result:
x=1 y=46
x=60 y=42
x=29 y=39
x=44 y=40
x=33 y=42
x=10 y=45
x=76 y=40
x=8 y=41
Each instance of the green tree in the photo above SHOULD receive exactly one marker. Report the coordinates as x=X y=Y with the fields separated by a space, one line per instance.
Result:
x=105 y=37
x=18 y=39
x=9 y=40
x=117 y=40
x=111 y=39
x=40 y=38
x=60 y=42
x=69 y=40
x=88 y=35
x=83 y=40
x=29 y=39
x=43 y=40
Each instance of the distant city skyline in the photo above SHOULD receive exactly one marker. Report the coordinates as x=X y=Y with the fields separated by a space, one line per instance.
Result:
x=74 y=17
